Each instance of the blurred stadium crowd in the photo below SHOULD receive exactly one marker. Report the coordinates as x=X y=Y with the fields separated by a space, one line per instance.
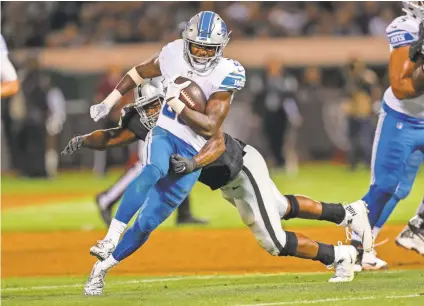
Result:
x=278 y=110
x=55 y=24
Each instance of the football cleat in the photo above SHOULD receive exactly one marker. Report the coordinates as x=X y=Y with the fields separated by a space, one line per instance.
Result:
x=370 y=262
x=409 y=240
x=357 y=220
x=96 y=281
x=102 y=249
x=344 y=267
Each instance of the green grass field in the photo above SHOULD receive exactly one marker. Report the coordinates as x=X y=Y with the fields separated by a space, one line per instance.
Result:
x=320 y=181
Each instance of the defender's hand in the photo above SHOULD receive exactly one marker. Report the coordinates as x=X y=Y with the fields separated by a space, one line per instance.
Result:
x=182 y=165
x=73 y=145
x=173 y=90
x=99 y=111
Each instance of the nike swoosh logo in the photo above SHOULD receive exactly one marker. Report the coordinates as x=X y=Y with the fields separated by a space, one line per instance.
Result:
x=372 y=264
x=234 y=188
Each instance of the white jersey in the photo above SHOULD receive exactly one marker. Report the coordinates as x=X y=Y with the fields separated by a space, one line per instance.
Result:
x=227 y=75
x=402 y=32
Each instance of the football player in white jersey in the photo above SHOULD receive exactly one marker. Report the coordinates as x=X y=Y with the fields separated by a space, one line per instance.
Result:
x=199 y=57
x=400 y=129
x=9 y=78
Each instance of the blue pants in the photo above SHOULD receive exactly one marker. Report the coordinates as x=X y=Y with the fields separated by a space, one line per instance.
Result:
x=155 y=192
x=404 y=188
x=396 y=138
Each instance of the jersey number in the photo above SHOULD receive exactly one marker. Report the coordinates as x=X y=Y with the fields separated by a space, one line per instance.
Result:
x=169 y=112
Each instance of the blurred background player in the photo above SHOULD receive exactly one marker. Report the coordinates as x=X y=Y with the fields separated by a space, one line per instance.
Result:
x=363 y=89
x=400 y=130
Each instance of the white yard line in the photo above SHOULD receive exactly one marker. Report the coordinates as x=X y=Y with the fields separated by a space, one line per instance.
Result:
x=168 y=279
x=155 y=280
x=390 y=297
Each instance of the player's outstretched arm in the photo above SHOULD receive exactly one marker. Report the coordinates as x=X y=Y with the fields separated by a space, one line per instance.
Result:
x=133 y=78
x=210 y=152
x=208 y=124
x=100 y=140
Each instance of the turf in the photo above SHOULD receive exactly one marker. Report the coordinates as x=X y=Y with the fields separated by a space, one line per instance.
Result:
x=383 y=288
x=321 y=181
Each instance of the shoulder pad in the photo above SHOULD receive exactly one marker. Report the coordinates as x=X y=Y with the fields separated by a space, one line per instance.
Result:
x=235 y=76
x=402 y=31
x=169 y=57
x=127 y=112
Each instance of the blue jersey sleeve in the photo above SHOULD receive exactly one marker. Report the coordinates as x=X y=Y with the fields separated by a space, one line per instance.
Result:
x=400 y=38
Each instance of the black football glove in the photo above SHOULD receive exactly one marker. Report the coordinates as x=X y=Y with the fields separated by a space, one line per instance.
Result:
x=182 y=165
x=416 y=50
x=73 y=145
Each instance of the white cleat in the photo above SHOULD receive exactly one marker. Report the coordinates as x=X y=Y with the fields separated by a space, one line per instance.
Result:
x=357 y=268
x=410 y=241
x=370 y=262
x=96 y=281
x=344 y=267
x=102 y=249
x=357 y=220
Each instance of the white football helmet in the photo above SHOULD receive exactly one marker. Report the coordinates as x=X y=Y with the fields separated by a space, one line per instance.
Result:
x=146 y=97
x=414 y=9
x=205 y=29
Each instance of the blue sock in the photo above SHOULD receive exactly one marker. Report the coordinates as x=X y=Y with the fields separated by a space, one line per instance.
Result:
x=376 y=199
x=387 y=211
x=132 y=240
x=137 y=192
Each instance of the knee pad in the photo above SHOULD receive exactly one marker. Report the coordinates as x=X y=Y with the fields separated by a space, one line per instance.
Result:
x=147 y=224
x=290 y=248
x=294 y=207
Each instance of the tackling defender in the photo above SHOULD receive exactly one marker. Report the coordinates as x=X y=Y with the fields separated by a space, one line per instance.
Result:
x=241 y=174
x=400 y=130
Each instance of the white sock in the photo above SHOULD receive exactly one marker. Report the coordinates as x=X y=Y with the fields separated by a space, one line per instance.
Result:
x=338 y=254
x=421 y=207
x=375 y=231
x=115 y=231
x=108 y=263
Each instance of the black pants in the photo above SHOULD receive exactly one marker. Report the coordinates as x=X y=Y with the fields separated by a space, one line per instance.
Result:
x=275 y=125
x=9 y=133
x=360 y=137
x=31 y=149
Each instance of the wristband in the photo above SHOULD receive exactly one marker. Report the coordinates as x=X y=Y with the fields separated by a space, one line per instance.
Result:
x=135 y=76
x=176 y=105
x=112 y=98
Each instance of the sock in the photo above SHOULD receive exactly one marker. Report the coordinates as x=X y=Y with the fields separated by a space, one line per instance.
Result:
x=375 y=231
x=132 y=240
x=326 y=254
x=387 y=211
x=108 y=263
x=376 y=200
x=332 y=212
x=137 y=192
x=115 y=231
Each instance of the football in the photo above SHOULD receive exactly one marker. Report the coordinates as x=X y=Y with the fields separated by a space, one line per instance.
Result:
x=192 y=96
x=418 y=76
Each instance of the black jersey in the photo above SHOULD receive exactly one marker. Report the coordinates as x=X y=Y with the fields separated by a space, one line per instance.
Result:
x=130 y=119
x=226 y=167
x=216 y=174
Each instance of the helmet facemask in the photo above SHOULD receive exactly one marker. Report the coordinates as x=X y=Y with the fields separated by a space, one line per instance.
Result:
x=414 y=9
x=149 y=110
